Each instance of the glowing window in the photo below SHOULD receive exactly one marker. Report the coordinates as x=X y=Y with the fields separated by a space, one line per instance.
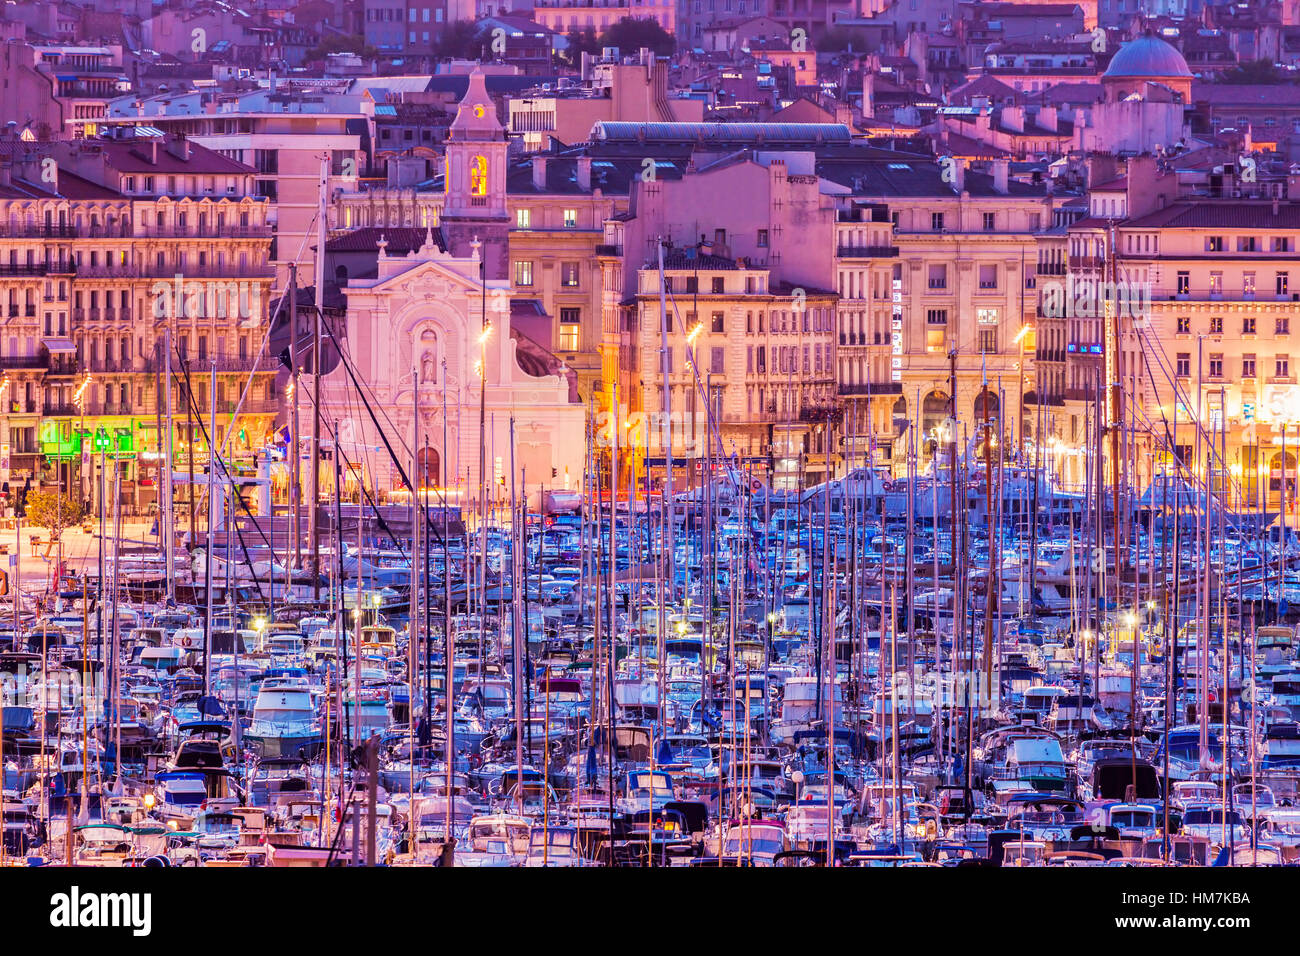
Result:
x=478 y=176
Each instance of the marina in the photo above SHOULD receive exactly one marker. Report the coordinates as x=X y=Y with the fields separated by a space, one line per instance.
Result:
x=847 y=674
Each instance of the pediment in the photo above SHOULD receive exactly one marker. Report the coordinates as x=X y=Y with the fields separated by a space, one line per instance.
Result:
x=428 y=279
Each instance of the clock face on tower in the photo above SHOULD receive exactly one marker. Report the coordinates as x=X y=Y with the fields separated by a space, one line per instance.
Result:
x=479 y=111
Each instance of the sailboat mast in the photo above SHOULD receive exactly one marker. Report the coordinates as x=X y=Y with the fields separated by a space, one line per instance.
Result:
x=666 y=367
x=313 y=528
x=449 y=747
x=212 y=506
x=413 y=628
x=516 y=654
x=166 y=515
x=295 y=445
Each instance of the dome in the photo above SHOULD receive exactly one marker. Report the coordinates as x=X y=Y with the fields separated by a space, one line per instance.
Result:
x=1147 y=56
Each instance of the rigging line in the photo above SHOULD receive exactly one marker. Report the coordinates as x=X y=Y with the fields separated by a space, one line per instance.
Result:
x=346 y=359
x=401 y=470
x=710 y=423
x=1232 y=519
x=239 y=533
x=1212 y=441
x=383 y=524
x=280 y=308
x=234 y=417
x=1180 y=395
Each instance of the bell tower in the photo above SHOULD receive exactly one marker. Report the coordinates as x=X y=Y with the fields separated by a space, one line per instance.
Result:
x=474 y=201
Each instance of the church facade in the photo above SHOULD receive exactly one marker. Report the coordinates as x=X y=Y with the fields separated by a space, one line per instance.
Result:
x=455 y=381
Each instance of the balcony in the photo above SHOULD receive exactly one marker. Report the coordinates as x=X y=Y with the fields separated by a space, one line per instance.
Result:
x=204 y=231
x=208 y=271
x=105 y=272
x=251 y=406
x=874 y=213
x=871 y=388
x=39 y=232
x=56 y=410
x=63 y=365
x=23 y=361
x=20 y=270
x=867 y=252
x=606 y=249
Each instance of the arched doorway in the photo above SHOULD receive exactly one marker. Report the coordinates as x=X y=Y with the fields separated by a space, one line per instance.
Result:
x=429 y=463
x=986 y=407
x=1275 y=470
x=934 y=411
x=898 y=415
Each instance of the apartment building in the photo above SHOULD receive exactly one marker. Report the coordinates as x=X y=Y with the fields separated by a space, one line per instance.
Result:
x=568 y=16
x=944 y=291
x=58 y=92
x=750 y=369
x=131 y=237
x=292 y=137
x=1222 y=339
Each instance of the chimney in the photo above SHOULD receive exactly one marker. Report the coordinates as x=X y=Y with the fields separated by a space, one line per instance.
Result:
x=179 y=147
x=1013 y=118
x=153 y=151
x=1001 y=167
x=1048 y=119
x=868 y=93
x=539 y=173
x=959 y=170
x=584 y=173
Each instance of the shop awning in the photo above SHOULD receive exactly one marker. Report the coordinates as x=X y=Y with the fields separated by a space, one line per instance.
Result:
x=59 y=346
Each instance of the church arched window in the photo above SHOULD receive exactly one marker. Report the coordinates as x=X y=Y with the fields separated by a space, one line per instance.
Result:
x=478 y=176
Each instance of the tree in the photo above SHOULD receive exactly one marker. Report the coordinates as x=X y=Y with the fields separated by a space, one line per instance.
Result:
x=632 y=33
x=459 y=42
x=580 y=42
x=839 y=39
x=1261 y=72
x=341 y=44
x=53 y=512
